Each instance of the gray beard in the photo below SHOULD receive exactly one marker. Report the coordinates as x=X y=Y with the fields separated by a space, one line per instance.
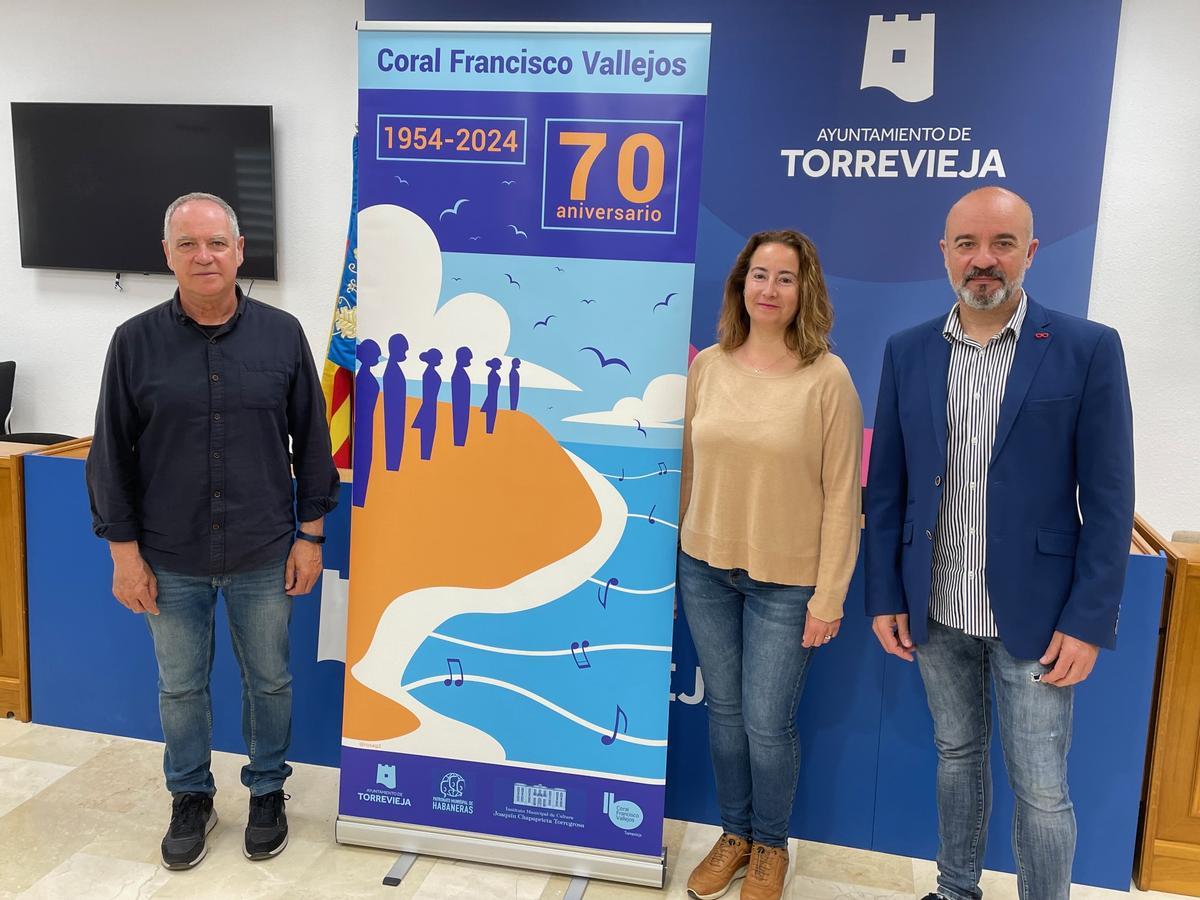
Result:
x=984 y=302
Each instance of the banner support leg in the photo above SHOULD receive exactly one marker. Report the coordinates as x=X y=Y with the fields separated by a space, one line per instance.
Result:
x=575 y=890
x=400 y=868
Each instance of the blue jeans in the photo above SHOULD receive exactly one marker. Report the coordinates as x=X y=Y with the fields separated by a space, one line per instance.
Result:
x=1035 y=732
x=259 y=611
x=748 y=638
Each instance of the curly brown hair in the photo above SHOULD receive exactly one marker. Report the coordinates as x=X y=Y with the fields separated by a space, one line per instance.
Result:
x=808 y=334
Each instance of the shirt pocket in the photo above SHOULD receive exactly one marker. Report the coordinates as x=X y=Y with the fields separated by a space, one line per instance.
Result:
x=263 y=389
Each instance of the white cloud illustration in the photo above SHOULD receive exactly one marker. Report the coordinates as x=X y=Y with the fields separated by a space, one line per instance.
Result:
x=400 y=272
x=661 y=406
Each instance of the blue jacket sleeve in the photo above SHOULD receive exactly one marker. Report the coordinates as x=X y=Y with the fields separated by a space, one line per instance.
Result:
x=1104 y=466
x=887 y=490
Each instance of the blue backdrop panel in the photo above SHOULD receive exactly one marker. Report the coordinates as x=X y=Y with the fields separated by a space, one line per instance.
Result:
x=92 y=661
x=789 y=75
x=1108 y=752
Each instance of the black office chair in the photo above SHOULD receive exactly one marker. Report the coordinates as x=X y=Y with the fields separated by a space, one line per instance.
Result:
x=8 y=375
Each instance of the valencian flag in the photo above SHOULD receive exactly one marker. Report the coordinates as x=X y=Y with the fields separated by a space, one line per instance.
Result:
x=337 y=379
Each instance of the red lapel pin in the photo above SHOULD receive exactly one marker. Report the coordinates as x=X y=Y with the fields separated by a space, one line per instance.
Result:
x=1041 y=335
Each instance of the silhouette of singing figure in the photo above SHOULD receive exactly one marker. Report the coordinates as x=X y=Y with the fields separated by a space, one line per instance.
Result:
x=492 y=401
x=426 y=417
x=366 y=392
x=395 y=401
x=460 y=395
x=514 y=383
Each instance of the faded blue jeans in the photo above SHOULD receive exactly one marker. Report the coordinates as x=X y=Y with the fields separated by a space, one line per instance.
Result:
x=259 y=612
x=748 y=637
x=1035 y=732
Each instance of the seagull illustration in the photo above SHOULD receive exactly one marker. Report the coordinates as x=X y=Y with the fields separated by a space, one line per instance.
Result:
x=640 y=428
x=401 y=180
x=665 y=301
x=587 y=301
x=453 y=210
x=475 y=237
x=456 y=278
x=545 y=321
x=518 y=232
x=508 y=182
x=558 y=268
x=606 y=361
x=512 y=280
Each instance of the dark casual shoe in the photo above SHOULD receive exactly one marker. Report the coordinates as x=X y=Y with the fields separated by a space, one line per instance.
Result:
x=192 y=818
x=266 y=830
x=933 y=897
x=725 y=863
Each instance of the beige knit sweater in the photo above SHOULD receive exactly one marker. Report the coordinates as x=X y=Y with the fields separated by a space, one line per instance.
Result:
x=771 y=474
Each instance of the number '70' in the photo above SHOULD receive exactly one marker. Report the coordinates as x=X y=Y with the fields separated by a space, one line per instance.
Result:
x=595 y=141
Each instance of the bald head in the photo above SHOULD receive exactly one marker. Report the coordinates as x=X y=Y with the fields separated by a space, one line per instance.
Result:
x=987 y=246
x=993 y=201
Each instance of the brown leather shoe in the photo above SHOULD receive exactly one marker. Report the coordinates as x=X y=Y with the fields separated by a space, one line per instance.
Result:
x=725 y=863
x=766 y=874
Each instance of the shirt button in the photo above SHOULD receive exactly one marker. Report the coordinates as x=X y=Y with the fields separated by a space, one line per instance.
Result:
x=972 y=485
x=972 y=531
x=929 y=534
x=215 y=377
x=969 y=574
x=218 y=494
x=216 y=454
x=937 y=480
x=977 y=395
x=973 y=440
x=216 y=526
x=217 y=418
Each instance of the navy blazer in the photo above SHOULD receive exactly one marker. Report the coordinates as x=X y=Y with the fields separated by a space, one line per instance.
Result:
x=1065 y=434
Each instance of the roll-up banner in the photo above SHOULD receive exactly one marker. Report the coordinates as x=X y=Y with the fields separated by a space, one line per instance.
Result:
x=527 y=230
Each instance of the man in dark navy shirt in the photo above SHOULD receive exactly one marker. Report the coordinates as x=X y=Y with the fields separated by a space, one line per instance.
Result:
x=190 y=481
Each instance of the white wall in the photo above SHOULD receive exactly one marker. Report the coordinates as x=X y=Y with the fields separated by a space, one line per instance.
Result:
x=300 y=58
x=1148 y=250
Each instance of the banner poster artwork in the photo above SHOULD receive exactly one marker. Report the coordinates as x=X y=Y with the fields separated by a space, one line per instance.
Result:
x=527 y=230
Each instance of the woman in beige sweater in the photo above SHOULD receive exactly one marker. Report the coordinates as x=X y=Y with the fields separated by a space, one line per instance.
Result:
x=769 y=531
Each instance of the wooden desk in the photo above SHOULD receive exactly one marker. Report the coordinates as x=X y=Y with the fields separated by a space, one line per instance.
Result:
x=14 y=644
x=1169 y=838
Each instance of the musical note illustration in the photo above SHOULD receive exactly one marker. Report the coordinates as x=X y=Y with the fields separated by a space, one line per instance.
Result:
x=608 y=739
x=450 y=663
x=622 y=478
x=576 y=646
x=650 y=517
x=662 y=468
x=604 y=599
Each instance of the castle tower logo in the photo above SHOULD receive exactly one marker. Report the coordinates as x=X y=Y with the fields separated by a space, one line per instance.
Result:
x=899 y=56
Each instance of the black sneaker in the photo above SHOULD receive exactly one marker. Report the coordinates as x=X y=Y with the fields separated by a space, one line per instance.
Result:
x=266 y=831
x=192 y=818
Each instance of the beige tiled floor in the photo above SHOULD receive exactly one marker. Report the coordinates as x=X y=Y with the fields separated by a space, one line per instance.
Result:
x=81 y=816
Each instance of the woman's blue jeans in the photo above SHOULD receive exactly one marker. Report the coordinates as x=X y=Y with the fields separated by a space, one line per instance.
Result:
x=748 y=638
x=1035 y=732
x=259 y=611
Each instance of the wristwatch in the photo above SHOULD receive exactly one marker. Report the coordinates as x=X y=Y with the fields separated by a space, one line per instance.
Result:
x=311 y=538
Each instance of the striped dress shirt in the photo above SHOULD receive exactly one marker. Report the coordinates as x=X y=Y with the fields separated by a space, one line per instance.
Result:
x=974 y=390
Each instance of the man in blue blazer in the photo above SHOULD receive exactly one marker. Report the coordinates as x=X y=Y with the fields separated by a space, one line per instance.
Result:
x=998 y=513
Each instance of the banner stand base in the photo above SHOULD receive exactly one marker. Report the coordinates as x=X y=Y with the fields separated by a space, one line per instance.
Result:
x=581 y=863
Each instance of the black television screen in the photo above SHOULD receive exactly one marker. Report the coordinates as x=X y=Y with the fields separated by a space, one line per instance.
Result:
x=94 y=179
